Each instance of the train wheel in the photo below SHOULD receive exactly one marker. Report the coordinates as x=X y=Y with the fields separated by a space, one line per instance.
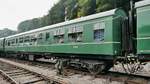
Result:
x=60 y=66
x=95 y=69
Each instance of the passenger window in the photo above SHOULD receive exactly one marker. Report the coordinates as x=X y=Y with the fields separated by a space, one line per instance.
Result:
x=59 y=35
x=40 y=36
x=99 y=35
x=59 y=39
x=99 y=32
x=75 y=37
x=16 y=40
x=47 y=35
x=8 y=43
x=27 y=39
x=13 y=41
x=33 y=38
x=75 y=34
x=21 y=40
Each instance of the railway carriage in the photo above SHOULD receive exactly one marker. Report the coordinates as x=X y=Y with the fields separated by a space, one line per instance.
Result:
x=94 y=39
x=1 y=45
x=98 y=34
x=95 y=42
x=143 y=29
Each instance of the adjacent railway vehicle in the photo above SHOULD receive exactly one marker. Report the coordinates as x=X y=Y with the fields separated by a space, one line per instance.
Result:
x=95 y=42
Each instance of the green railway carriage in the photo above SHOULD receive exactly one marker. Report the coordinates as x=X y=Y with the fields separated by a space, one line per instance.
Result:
x=94 y=36
x=1 y=45
x=143 y=28
x=94 y=41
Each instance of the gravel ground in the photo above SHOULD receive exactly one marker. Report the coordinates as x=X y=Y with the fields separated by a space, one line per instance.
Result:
x=80 y=79
x=145 y=69
x=75 y=78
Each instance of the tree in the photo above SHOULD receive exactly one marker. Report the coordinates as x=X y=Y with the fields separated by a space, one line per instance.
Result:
x=71 y=8
x=103 y=5
x=86 y=7
x=57 y=13
x=6 y=32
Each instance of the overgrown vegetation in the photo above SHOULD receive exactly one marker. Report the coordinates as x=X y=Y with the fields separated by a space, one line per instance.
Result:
x=71 y=9
x=6 y=32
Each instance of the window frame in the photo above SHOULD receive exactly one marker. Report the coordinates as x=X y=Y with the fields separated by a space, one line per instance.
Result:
x=99 y=27
x=75 y=31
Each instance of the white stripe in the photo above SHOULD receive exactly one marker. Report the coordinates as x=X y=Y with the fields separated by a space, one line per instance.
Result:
x=143 y=38
x=70 y=44
x=144 y=50
x=89 y=43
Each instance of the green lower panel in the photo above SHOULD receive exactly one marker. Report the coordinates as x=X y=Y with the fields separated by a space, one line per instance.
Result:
x=106 y=49
x=143 y=46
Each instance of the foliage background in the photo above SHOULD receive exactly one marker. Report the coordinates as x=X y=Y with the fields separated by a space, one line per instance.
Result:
x=71 y=9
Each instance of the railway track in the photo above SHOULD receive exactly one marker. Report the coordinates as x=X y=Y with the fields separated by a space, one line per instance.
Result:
x=40 y=64
x=3 y=80
x=17 y=75
x=110 y=76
